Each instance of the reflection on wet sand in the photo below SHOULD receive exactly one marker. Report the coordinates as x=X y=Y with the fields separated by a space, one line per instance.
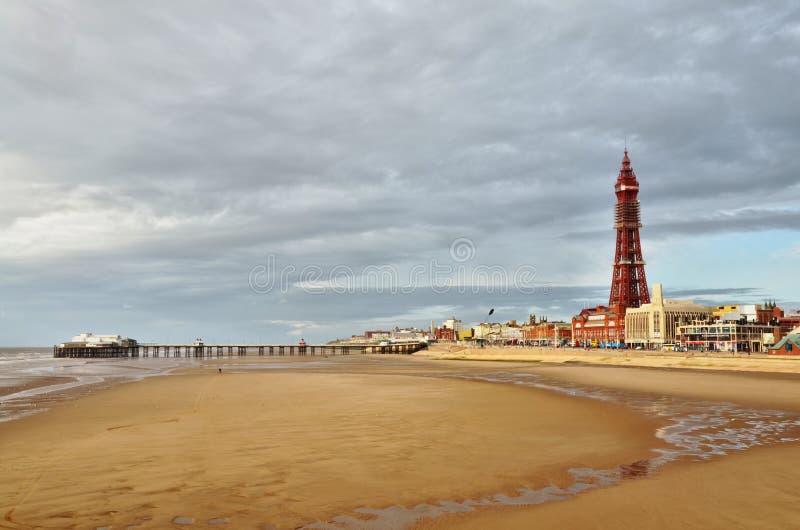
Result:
x=694 y=430
x=31 y=382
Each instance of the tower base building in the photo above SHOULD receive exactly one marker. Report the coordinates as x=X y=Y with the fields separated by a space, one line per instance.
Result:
x=599 y=327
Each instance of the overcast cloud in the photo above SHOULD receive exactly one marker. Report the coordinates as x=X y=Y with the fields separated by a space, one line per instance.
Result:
x=153 y=154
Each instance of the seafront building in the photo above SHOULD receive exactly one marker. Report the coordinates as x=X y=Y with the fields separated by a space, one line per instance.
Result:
x=444 y=334
x=788 y=345
x=599 y=326
x=655 y=324
x=487 y=331
x=493 y=333
x=453 y=323
x=744 y=312
x=769 y=314
x=396 y=335
x=93 y=340
x=465 y=335
x=789 y=322
x=377 y=334
x=448 y=331
x=545 y=333
x=408 y=335
x=510 y=334
x=722 y=336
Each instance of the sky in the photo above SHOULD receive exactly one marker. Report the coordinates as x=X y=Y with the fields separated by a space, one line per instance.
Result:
x=269 y=171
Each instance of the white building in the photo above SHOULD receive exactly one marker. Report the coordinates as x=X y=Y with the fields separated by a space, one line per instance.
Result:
x=746 y=311
x=408 y=334
x=454 y=324
x=655 y=324
x=510 y=333
x=486 y=330
x=91 y=340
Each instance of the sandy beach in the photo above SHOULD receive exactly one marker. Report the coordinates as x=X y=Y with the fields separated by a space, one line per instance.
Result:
x=639 y=358
x=295 y=442
x=758 y=489
x=284 y=448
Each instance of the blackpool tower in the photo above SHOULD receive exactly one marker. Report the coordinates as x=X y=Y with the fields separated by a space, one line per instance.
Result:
x=628 y=282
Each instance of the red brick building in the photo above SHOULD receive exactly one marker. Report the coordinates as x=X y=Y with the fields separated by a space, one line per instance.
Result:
x=444 y=334
x=546 y=333
x=769 y=313
x=789 y=345
x=789 y=322
x=598 y=326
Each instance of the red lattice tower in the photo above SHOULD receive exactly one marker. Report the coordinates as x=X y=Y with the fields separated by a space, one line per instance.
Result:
x=628 y=282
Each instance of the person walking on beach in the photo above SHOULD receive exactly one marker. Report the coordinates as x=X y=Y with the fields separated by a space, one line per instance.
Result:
x=220 y=370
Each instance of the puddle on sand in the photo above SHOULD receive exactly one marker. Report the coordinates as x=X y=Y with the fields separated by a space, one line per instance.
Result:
x=694 y=429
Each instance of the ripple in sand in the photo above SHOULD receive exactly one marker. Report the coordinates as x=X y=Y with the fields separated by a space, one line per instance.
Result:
x=696 y=429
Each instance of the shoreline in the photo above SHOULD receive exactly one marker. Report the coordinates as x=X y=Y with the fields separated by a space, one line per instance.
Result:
x=17 y=384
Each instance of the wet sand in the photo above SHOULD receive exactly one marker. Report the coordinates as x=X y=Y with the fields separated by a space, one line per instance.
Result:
x=281 y=448
x=13 y=392
x=32 y=381
x=9 y=387
x=401 y=442
x=758 y=489
x=754 y=487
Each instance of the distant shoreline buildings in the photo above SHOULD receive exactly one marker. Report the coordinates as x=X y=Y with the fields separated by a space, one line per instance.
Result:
x=631 y=319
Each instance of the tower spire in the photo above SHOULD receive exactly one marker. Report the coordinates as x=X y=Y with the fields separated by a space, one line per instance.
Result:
x=628 y=281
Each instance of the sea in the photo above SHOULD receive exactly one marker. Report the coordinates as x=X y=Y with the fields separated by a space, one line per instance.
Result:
x=31 y=379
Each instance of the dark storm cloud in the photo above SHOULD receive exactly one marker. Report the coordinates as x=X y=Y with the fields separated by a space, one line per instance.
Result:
x=745 y=220
x=153 y=151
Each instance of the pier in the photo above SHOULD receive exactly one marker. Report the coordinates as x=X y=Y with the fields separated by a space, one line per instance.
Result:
x=231 y=350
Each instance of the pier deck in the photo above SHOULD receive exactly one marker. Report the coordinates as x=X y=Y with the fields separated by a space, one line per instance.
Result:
x=231 y=350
